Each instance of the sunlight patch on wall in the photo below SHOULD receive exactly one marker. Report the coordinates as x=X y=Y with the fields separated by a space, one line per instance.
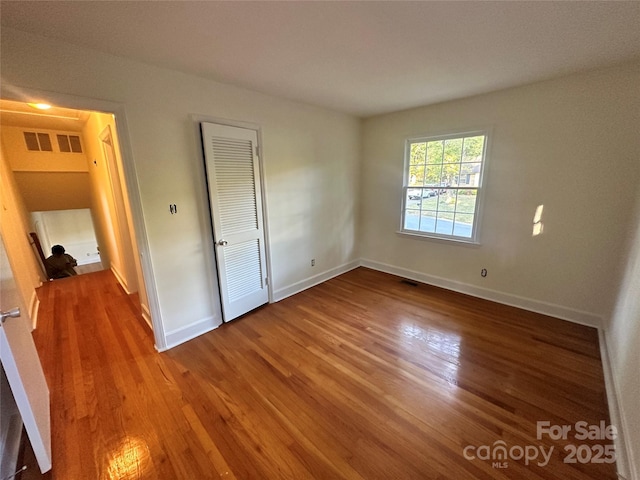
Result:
x=538 y=226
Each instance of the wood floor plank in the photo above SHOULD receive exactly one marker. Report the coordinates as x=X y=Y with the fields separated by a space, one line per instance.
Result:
x=362 y=377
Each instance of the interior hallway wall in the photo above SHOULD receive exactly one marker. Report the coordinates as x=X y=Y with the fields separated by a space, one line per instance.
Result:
x=103 y=204
x=116 y=237
x=14 y=226
x=47 y=180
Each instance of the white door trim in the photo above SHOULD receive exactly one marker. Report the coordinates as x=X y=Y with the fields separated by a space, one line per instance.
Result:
x=128 y=268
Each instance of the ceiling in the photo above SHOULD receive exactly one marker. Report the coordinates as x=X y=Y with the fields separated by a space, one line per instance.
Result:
x=18 y=114
x=358 y=57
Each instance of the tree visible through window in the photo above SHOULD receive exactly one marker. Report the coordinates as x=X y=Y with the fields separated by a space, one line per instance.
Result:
x=443 y=181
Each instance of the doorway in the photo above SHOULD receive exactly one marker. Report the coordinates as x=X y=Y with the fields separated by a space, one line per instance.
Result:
x=85 y=170
x=74 y=229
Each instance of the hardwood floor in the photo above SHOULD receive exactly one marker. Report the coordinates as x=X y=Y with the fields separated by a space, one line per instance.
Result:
x=362 y=377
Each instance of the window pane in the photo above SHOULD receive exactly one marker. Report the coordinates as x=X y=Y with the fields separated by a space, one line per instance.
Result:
x=473 y=168
x=447 y=201
x=416 y=175
x=433 y=176
x=466 y=202
x=428 y=222
x=450 y=173
x=463 y=225
x=418 y=153
x=444 y=225
x=411 y=219
x=413 y=197
x=472 y=150
x=429 y=199
x=452 y=150
x=434 y=152
x=470 y=174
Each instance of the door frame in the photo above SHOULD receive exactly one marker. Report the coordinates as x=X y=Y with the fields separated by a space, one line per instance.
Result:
x=119 y=210
x=20 y=94
x=203 y=198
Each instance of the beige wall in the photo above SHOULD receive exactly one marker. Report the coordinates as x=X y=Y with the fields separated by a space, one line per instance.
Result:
x=310 y=156
x=43 y=191
x=14 y=226
x=23 y=160
x=570 y=144
x=47 y=180
x=115 y=235
x=102 y=199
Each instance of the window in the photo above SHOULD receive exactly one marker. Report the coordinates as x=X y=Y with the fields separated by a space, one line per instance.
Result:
x=443 y=185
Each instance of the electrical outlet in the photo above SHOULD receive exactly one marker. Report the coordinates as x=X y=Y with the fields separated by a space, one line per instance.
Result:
x=483 y=272
x=313 y=262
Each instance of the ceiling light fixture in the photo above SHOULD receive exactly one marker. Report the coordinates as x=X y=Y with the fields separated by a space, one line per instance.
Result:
x=40 y=106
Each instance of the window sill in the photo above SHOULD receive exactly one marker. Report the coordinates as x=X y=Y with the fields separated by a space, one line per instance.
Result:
x=438 y=238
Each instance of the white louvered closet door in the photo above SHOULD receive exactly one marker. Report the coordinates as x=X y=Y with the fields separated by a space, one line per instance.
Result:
x=233 y=178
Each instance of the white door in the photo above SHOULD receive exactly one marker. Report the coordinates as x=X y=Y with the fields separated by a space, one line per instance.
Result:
x=235 y=197
x=22 y=367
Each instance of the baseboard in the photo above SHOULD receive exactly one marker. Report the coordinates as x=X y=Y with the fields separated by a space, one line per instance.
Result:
x=553 y=310
x=120 y=279
x=189 y=332
x=298 y=287
x=89 y=261
x=146 y=315
x=34 y=306
x=626 y=471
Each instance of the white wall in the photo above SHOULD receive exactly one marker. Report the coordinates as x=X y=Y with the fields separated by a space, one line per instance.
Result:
x=311 y=159
x=623 y=345
x=571 y=144
x=72 y=229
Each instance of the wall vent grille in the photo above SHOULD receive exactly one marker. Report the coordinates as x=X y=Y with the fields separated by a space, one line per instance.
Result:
x=38 y=142
x=69 y=143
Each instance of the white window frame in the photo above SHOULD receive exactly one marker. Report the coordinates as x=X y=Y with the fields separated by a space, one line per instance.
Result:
x=475 y=230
